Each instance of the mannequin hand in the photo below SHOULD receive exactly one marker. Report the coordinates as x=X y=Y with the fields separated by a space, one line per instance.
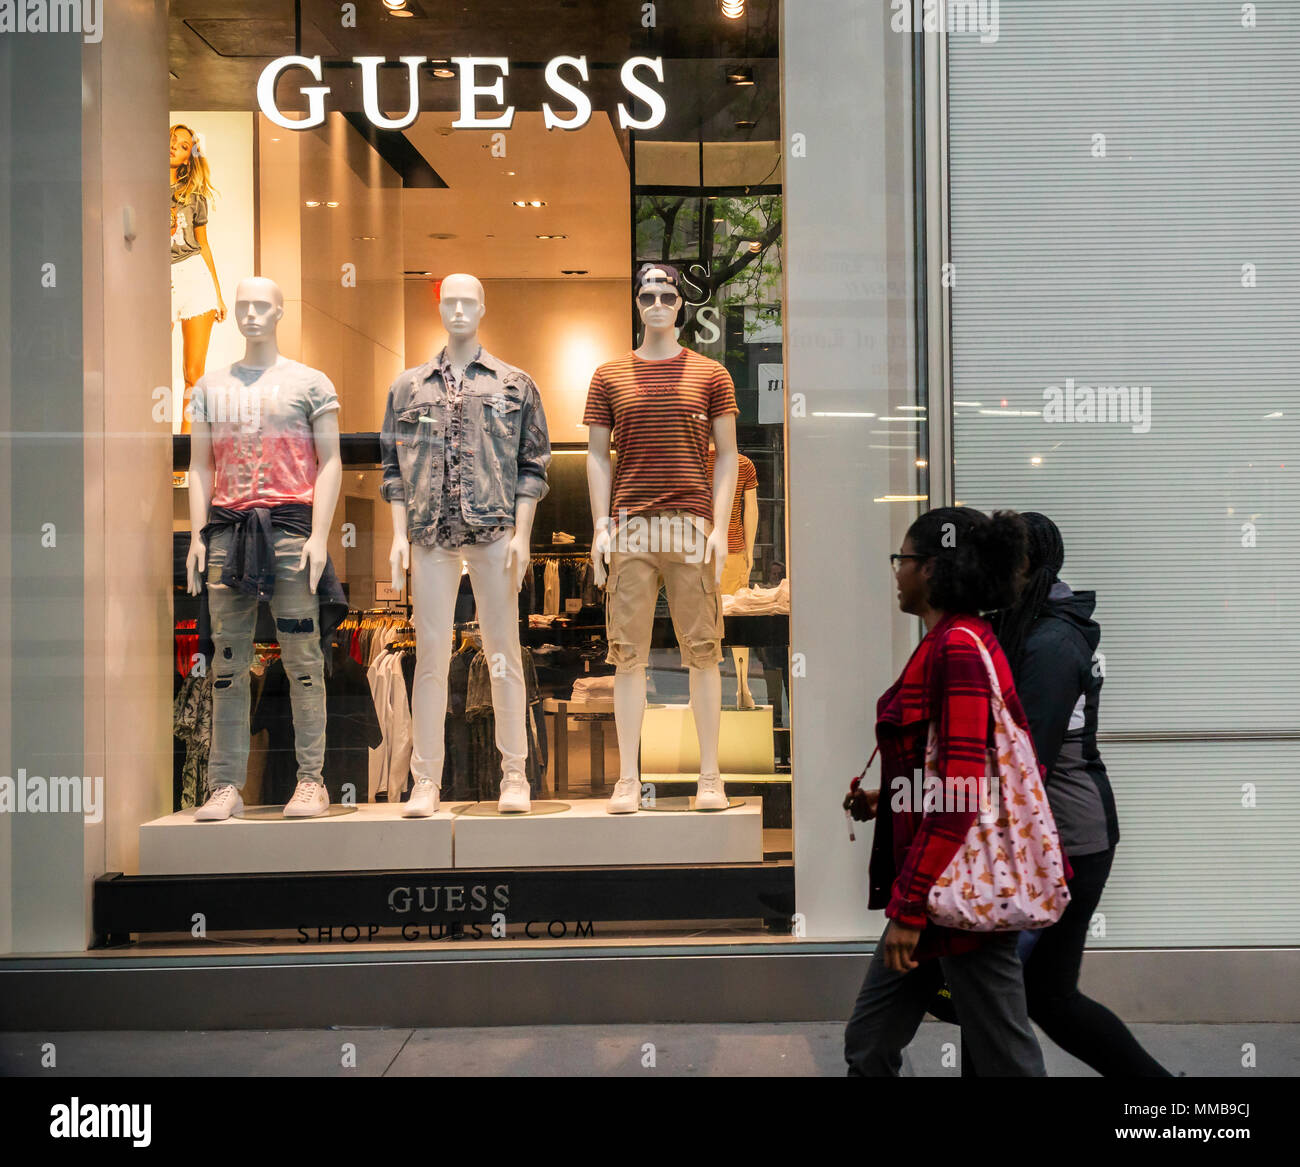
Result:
x=196 y=562
x=715 y=551
x=399 y=559
x=314 y=553
x=600 y=548
x=899 y=944
x=221 y=308
x=517 y=558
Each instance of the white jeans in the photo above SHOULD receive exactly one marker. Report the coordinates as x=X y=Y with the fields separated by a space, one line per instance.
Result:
x=435 y=581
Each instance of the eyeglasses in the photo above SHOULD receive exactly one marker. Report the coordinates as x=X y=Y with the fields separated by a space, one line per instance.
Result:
x=649 y=299
x=896 y=558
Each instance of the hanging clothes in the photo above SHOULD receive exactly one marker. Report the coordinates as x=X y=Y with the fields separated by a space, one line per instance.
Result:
x=390 y=763
x=484 y=781
x=192 y=723
x=551 y=602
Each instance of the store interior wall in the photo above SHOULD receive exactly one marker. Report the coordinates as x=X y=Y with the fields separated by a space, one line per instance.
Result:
x=847 y=91
x=557 y=331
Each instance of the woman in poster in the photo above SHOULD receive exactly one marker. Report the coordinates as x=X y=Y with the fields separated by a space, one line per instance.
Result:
x=196 y=292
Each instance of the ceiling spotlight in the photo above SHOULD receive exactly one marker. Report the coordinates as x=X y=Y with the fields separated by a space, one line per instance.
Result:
x=740 y=75
x=731 y=9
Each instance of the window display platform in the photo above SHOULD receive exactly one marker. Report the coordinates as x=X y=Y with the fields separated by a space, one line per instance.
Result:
x=587 y=836
x=127 y=905
x=373 y=838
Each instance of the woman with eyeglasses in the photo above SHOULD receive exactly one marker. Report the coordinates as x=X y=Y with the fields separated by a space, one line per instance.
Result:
x=954 y=564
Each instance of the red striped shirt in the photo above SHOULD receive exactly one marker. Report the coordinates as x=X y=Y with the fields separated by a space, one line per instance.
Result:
x=746 y=479
x=660 y=414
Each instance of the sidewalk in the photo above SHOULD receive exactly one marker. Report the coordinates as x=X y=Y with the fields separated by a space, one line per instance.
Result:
x=793 y=1049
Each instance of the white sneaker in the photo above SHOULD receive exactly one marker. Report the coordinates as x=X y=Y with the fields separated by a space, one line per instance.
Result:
x=514 y=795
x=309 y=800
x=710 y=794
x=626 y=797
x=423 y=801
x=221 y=804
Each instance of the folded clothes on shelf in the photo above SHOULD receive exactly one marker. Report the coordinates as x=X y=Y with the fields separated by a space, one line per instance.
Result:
x=758 y=601
x=593 y=689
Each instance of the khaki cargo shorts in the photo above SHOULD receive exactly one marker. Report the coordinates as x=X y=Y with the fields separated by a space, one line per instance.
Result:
x=694 y=600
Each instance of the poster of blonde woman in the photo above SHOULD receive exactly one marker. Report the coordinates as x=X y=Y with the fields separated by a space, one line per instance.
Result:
x=211 y=241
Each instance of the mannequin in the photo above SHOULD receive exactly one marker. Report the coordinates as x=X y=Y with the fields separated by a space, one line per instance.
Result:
x=264 y=479
x=742 y=529
x=660 y=518
x=465 y=451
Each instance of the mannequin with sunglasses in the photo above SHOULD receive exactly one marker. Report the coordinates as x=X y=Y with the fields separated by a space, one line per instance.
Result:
x=659 y=518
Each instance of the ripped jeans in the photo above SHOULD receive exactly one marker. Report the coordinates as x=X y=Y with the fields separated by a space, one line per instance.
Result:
x=234 y=619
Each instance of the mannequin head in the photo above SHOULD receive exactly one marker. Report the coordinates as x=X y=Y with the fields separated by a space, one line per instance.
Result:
x=259 y=304
x=659 y=300
x=461 y=306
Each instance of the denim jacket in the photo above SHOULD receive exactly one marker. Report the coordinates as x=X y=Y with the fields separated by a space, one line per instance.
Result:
x=505 y=449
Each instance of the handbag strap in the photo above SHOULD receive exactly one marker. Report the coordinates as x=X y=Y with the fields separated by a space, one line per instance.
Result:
x=984 y=655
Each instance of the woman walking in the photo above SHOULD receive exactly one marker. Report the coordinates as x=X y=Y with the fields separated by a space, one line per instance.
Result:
x=954 y=564
x=1050 y=639
x=196 y=291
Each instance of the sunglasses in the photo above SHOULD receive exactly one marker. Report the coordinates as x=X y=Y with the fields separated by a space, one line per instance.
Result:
x=649 y=299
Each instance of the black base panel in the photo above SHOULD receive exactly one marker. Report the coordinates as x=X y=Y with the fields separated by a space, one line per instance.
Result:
x=124 y=904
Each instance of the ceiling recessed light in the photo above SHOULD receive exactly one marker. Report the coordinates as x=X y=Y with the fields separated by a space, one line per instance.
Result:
x=574 y=271
x=1036 y=460
x=755 y=246
x=511 y=173
x=732 y=9
x=441 y=235
x=365 y=238
x=529 y=203
x=332 y=204
x=312 y=203
x=740 y=75
x=444 y=72
x=552 y=237
x=745 y=124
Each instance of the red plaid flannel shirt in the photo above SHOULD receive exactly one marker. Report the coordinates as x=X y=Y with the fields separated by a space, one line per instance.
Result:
x=945 y=679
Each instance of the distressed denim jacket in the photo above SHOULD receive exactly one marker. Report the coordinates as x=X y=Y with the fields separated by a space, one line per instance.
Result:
x=505 y=445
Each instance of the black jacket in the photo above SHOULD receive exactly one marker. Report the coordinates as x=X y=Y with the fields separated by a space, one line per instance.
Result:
x=1060 y=687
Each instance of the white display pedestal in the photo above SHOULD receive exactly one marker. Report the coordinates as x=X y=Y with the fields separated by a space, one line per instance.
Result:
x=586 y=836
x=373 y=838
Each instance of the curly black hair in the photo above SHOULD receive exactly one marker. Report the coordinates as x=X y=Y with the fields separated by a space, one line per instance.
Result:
x=978 y=561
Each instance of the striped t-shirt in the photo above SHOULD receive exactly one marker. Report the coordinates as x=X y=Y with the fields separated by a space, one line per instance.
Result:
x=746 y=479
x=661 y=414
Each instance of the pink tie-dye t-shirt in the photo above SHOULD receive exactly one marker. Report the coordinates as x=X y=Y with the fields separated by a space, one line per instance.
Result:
x=262 y=443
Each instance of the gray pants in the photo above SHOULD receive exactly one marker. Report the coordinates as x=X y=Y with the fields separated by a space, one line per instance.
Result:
x=988 y=991
x=234 y=620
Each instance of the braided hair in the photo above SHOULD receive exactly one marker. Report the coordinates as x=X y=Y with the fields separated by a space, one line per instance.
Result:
x=1046 y=556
